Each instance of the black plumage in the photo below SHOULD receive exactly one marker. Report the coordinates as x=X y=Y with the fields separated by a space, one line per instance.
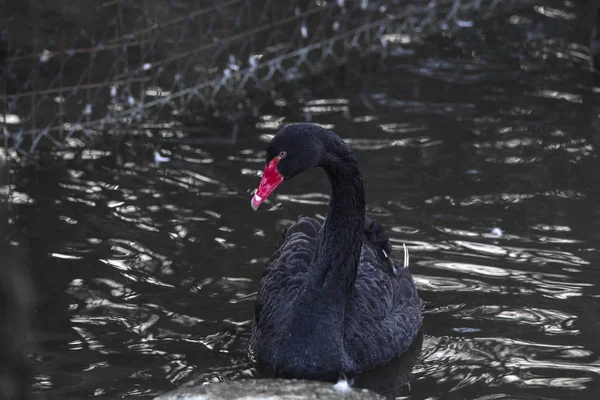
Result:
x=330 y=300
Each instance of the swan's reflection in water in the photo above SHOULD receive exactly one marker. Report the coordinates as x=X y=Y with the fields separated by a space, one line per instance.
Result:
x=392 y=380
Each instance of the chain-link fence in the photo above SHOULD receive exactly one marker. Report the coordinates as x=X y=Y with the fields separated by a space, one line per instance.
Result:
x=72 y=71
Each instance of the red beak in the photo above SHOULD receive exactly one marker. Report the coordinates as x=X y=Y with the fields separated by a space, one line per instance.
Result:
x=271 y=178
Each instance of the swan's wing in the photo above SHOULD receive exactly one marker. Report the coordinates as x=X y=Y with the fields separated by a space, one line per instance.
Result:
x=377 y=236
x=378 y=242
x=286 y=268
x=283 y=276
x=384 y=315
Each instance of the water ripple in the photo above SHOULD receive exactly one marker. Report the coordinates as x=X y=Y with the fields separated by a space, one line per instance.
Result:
x=478 y=151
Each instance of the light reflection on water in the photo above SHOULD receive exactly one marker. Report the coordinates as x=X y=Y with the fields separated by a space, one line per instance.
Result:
x=476 y=152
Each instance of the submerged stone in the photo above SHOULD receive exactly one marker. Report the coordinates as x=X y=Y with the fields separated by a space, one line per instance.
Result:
x=269 y=389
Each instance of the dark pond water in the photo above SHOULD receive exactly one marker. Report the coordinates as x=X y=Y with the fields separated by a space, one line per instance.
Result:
x=479 y=151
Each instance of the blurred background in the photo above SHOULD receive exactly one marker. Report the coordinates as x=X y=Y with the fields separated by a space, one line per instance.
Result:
x=133 y=133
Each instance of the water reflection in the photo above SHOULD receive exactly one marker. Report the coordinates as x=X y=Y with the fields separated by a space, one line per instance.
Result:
x=478 y=152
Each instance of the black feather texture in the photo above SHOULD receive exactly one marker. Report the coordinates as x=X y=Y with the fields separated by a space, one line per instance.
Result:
x=330 y=300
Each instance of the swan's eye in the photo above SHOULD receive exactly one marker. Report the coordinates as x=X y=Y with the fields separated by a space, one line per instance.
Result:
x=282 y=154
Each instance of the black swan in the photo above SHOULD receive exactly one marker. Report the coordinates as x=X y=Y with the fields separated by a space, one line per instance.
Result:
x=330 y=301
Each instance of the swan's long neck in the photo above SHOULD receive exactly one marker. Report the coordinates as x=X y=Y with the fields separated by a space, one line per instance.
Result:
x=338 y=251
x=315 y=331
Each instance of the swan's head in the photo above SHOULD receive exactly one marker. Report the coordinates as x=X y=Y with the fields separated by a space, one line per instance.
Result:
x=295 y=148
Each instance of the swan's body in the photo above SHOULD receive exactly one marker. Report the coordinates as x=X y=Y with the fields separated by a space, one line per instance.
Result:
x=330 y=300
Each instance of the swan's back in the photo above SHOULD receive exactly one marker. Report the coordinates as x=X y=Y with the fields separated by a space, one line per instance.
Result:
x=383 y=314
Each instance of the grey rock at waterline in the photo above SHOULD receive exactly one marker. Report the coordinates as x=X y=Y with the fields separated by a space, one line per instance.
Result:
x=268 y=389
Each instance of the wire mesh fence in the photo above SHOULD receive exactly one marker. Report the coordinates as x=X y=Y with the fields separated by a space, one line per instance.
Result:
x=74 y=71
